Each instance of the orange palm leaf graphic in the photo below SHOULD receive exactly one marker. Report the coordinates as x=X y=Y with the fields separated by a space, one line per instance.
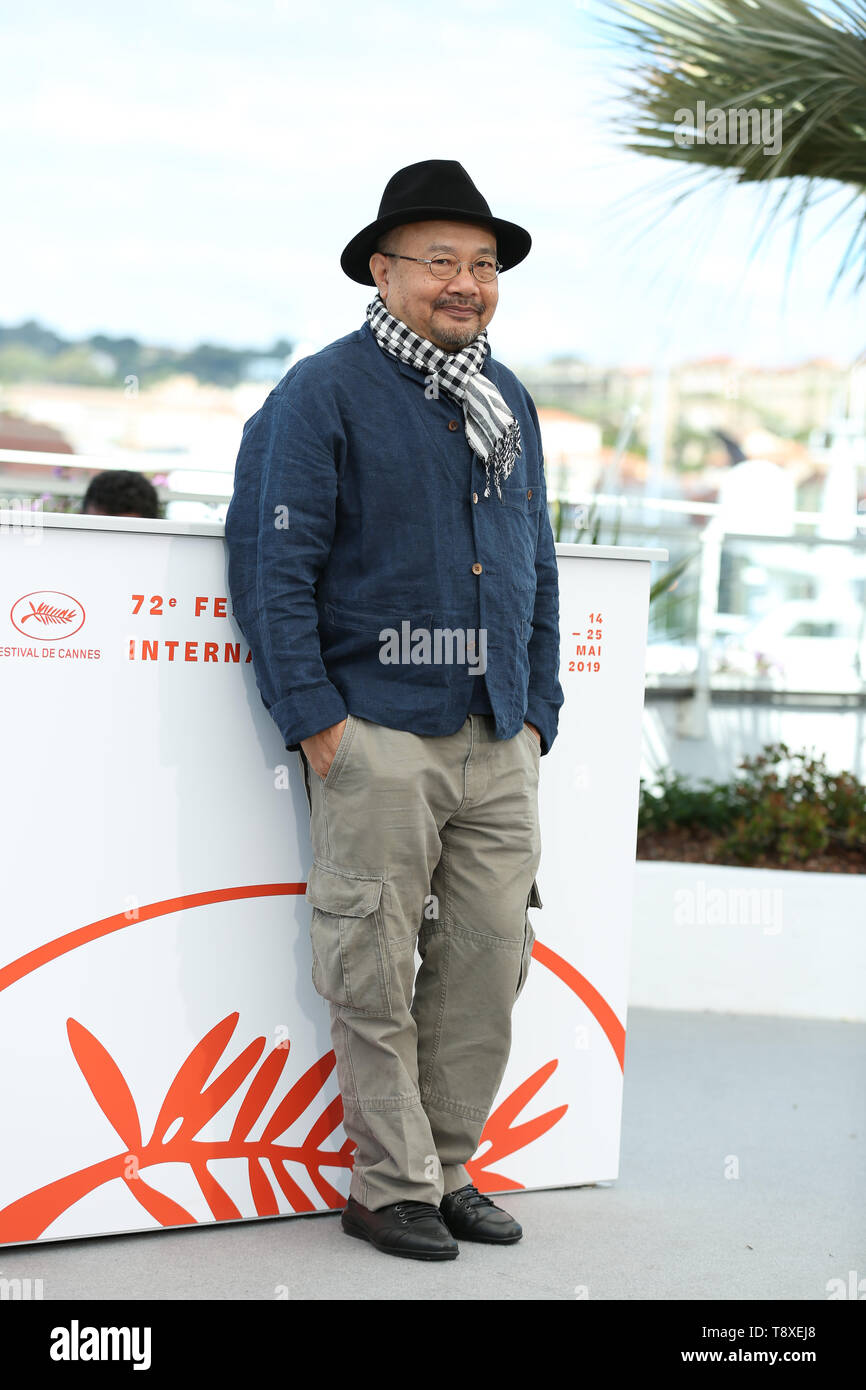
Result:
x=185 y=1097
x=260 y=1091
x=190 y=1104
x=505 y=1138
x=105 y=1080
x=46 y=614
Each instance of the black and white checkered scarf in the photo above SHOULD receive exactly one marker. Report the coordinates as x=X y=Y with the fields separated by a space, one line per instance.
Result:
x=491 y=429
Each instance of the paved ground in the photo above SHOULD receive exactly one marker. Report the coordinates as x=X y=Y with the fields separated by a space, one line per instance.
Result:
x=784 y=1097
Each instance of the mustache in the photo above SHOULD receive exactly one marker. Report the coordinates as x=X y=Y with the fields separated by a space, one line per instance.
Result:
x=458 y=304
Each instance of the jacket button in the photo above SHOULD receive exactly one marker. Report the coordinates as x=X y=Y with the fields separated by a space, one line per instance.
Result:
x=529 y=494
x=453 y=425
x=476 y=568
x=475 y=497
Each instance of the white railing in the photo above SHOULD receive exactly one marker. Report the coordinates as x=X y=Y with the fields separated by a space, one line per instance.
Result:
x=146 y=463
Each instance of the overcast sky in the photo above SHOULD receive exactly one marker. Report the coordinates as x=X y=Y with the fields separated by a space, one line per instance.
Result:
x=190 y=170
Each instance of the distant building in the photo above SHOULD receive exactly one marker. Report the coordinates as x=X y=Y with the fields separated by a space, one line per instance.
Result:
x=23 y=436
x=703 y=396
x=176 y=416
x=18 y=432
x=572 y=453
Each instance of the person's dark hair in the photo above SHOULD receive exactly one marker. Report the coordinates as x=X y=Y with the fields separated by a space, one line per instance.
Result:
x=388 y=240
x=118 y=491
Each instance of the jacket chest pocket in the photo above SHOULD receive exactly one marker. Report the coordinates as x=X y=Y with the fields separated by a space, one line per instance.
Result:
x=522 y=497
x=516 y=519
x=351 y=960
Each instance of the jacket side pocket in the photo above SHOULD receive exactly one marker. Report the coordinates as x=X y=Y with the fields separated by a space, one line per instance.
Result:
x=351 y=961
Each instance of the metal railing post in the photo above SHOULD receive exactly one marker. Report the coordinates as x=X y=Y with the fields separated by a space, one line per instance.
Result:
x=693 y=713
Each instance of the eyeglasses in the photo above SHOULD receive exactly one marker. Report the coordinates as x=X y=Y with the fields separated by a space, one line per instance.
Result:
x=484 y=269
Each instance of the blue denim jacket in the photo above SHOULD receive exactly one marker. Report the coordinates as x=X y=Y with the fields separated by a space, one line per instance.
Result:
x=359 y=508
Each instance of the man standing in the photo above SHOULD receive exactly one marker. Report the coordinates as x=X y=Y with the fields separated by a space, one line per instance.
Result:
x=392 y=566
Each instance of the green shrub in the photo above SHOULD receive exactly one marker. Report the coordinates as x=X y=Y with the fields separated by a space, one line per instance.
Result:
x=783 y=805
x=708 y=804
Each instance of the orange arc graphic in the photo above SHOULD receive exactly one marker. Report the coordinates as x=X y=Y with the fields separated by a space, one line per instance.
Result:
x=25 y=965
x=82 y=936
x=595 y=1002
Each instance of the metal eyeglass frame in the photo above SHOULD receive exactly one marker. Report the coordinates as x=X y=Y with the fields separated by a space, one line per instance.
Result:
x=445 y=278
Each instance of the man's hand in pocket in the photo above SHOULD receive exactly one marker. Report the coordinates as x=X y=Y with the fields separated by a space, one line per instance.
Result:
x=320 y=748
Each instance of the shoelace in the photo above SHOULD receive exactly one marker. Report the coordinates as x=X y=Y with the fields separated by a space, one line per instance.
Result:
x=472 y=1198
x=415 y=1211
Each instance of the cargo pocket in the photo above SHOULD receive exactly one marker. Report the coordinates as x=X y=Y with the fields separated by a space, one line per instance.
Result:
x=351 y=963
x=534 y=900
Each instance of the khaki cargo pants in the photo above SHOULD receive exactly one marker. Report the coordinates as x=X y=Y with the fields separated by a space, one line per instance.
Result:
x=432 y=842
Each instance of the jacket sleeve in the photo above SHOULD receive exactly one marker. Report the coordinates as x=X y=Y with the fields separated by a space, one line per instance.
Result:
x=279 y=527
x=545 y=692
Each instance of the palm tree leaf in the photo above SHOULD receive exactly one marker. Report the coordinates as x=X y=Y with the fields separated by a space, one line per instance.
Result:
x=752 y=55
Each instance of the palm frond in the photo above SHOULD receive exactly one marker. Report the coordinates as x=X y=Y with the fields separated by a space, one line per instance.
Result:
x=748 y=62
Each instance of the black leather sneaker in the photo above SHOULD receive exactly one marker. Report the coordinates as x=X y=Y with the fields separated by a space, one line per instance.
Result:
x=414 y=1230
x=469 y=1215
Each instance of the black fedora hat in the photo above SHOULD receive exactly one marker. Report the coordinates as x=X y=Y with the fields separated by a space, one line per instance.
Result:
x=434 y=189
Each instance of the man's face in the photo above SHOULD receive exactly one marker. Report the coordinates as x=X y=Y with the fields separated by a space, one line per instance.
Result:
x=450 y=313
